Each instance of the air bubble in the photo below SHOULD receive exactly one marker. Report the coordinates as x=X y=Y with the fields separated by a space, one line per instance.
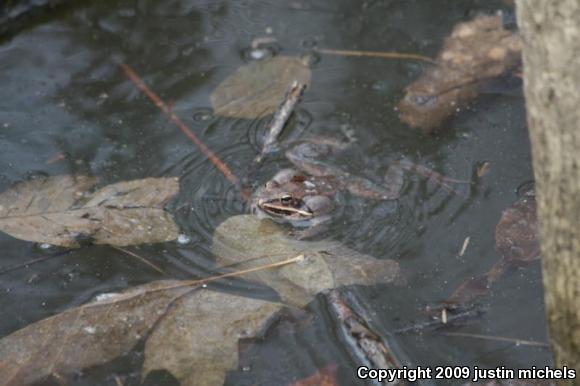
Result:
x=310 y=59
x=203 y=115
x=183 y=239
x=259 y=53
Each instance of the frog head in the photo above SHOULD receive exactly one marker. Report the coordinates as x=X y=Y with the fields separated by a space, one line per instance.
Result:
x=292 y=197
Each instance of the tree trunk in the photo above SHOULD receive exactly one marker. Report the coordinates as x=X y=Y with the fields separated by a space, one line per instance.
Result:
x=551 y=35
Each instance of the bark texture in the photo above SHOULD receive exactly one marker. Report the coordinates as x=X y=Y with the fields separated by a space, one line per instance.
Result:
x=551 y=35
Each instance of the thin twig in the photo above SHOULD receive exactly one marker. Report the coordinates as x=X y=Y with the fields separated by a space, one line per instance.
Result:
x=280 y=118
x=138 y=81
x=56 y=158
x=118 y=381
x=454 y=318
x=33 y=261
x=377 y=54
x=464 y=246
x=499 y=338
x=142 y=259
x=260 y=257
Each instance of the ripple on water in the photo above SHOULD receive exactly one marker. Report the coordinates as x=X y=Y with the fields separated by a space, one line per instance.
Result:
x=261 y=48
x=203 y=115
x=207 y=196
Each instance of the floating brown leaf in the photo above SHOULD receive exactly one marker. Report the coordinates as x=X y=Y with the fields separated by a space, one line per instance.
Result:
x=476 y=51
x=59 y=210
x=245 y=241
x=85 y=336
x=257 y=89
x=517 y=243
x=197 y=340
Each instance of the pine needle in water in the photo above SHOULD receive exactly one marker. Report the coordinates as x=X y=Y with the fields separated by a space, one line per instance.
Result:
x=140 y=258
x=377 y=54
x=499 y=339
x=191 y=283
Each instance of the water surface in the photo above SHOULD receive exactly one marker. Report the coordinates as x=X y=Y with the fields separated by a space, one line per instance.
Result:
x=63 y=93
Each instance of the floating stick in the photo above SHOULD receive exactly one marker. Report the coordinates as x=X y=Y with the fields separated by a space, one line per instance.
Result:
x=138 y=81
x=280 y=118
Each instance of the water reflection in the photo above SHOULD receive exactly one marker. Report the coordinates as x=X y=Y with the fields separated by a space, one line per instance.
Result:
x=64 y=94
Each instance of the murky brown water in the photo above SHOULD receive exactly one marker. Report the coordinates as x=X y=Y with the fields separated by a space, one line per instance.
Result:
x=63 y=93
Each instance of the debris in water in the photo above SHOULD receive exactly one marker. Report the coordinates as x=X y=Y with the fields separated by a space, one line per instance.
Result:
x=365 y=344
x=483 y=168
x=464 y=246
x=281 y=117
x=475 y=52
x=258 y=88
x=516 y=241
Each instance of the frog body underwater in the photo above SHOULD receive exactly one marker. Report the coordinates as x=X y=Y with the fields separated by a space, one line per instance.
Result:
x=305 y=196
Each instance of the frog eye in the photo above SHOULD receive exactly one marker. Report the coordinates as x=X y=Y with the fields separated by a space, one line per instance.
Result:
x=286 y=199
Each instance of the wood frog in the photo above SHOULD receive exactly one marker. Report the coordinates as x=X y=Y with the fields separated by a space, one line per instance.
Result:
x=304 y=196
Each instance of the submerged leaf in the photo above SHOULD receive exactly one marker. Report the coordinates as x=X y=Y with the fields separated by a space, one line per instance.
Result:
x=59 y=210
x=248 y=242
x=257 y=89
x=517 y=243
x=197 y=340
x=85 y=336
x=193 y=334
x=517 y=233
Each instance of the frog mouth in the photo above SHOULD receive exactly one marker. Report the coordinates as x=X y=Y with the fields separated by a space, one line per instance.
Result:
x=285 y=211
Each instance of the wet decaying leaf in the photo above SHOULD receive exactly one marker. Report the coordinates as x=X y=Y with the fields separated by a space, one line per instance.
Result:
x=516 y=234
x=197 y=341
x=190 y=332
x=249 y=242
x=85 y=336
x=475 y=52
x=366 y=346
x=257 y=89
x=60 y=210
x=516 y=241
x=326 y=376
